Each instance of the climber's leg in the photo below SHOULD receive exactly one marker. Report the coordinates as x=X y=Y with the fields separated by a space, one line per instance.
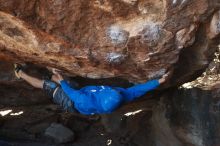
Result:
x=60 y=97
x=35 y=82
x=51 y=88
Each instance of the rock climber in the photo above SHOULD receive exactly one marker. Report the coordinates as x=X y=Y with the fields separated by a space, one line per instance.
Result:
x=88 y=100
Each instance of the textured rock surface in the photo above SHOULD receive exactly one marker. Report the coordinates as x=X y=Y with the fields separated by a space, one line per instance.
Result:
x=136 y=40
x=132 y=39
x=59 y=133
x=186 y=117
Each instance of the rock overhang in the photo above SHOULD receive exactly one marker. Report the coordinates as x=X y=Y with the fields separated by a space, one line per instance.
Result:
x=135 y=40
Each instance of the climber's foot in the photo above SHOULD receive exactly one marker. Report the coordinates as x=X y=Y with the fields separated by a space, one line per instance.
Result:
x=17 y=70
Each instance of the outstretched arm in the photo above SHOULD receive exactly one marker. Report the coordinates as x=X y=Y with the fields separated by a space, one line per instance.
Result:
x=139 y=90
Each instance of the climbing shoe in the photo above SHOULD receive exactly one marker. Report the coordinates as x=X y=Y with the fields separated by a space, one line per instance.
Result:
x=17 y=68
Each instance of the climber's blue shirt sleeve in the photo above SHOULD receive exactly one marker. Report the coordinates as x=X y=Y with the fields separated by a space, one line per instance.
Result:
x=82 y=101
x=105 y=99
x=93 y=99
x=132 y=93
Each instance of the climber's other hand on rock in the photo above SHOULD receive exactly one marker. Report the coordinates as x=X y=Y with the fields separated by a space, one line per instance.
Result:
x=164 y=77
x=57 y=78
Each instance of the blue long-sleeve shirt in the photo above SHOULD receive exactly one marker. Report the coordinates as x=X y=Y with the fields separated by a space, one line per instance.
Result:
x=105 y=99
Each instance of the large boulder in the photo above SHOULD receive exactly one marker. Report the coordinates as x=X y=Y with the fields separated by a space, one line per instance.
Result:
x=59 y=133
x=133 y=39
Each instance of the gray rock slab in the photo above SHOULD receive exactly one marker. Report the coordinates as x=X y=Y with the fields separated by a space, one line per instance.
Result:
x=59 y=133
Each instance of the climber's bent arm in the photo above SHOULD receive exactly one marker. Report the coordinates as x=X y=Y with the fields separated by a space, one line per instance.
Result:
x=72 y=93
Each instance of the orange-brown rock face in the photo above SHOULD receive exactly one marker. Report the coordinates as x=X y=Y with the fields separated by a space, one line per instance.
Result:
x=133 y=39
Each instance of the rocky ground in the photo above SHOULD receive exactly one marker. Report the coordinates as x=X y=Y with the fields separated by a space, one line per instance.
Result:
x=176 y=117
x=26 y=113
x=112 y=42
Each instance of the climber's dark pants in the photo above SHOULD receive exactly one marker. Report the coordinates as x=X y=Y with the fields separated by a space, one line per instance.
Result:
x=58 y=96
